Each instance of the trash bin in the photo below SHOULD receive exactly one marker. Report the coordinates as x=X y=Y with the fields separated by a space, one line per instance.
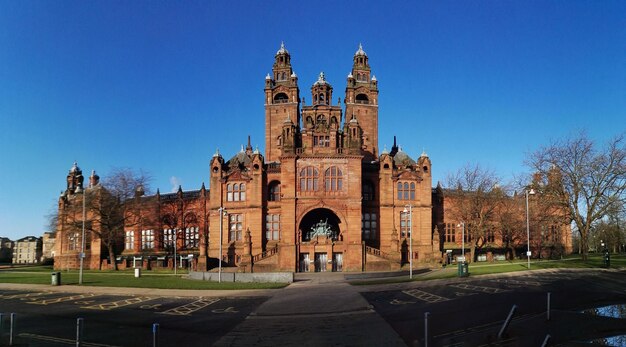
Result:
x=137 y=272
x=607 y=259
x=463 y=269
x=56 y=278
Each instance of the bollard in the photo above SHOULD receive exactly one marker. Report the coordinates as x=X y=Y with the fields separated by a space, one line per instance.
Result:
x=155 y=332
x=11 y=329
x=546 y=340
x=507 y=321
x=79 y=331
x=548 y=311
x=426 y=314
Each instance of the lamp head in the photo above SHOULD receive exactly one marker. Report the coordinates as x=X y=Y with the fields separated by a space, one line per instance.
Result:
x=531 y=192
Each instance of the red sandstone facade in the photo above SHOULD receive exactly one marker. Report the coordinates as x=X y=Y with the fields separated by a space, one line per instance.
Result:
x=323 y=198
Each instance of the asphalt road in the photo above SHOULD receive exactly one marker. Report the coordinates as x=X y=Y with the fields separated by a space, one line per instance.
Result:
x=50 y=318
x=471 y=311
x=321 y=309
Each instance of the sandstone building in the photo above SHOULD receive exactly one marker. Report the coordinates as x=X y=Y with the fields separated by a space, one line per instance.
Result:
x=323 y=197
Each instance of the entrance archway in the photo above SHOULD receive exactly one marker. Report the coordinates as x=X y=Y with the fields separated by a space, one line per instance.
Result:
x=318 y=231
x=320 y=222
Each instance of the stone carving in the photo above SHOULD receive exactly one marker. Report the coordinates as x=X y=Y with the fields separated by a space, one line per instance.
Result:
x=322 y=228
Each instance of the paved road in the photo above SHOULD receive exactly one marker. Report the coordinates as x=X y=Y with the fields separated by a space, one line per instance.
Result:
x=322 y=309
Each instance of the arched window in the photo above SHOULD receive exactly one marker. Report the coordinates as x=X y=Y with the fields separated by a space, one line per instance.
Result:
x=333 y=179
x=362 y=99
x=273 y=191
x=236 y=192
x=406 y=191
x=309 y=177
x=321 y=98
x=280 y=98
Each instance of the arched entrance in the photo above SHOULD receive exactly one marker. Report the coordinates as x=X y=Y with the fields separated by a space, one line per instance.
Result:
x=319 y=235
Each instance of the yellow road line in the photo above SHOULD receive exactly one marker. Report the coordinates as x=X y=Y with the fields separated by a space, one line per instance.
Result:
x=61 y=340
x=190 y=307
x=120 y=303
x=24 y=295
x=62 y=299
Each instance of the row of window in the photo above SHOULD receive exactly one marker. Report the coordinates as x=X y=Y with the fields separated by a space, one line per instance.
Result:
x=190 y=237
x=550 y=233
x=309 y=178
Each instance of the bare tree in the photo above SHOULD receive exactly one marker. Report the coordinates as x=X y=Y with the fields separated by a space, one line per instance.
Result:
x=586 y=181
x=476 y=195
x=110 y=207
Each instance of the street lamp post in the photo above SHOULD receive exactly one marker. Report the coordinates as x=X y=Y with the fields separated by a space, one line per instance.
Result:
x=528 y=192
x=222 y=213
x=82 y=240
x=462 y=225
x=410 y=212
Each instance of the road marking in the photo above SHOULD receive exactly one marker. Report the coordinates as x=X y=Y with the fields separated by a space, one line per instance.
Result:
x=424 y=296
x=488 y=290
x=24 y=296
x=225 y=310
x=517 y=283
x=150 y=307
x=62 y=299
x=191 y=307
x=400 y=302
x=61 y=340
x=120 y=303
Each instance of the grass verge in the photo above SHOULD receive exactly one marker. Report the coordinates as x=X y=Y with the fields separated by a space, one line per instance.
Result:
x=594 y=261
x=42 y=275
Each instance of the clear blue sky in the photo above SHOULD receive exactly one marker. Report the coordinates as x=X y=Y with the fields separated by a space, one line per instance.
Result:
x=159 y=85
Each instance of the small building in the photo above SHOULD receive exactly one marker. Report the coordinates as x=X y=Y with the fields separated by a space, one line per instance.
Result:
x=6 y=250
x=27 y=250
x=47 y=252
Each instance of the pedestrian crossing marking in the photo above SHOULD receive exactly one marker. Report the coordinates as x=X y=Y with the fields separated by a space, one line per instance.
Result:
x=191 y=307
x=120 y=303
x=489 y=290
x=62 y=299
x=424 y=296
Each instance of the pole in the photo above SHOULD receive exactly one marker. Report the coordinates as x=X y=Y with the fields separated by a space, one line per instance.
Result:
x=79 y=331
x=463 y=240
x=219 y=261
x=82 y=241
x=155 y=331
x=548 y=310
x=11 y=329
x=411 y=241
x=175 y=246
x=527 y=233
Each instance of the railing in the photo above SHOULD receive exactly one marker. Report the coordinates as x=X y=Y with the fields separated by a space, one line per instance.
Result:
x=265 y=254
x=377 y=252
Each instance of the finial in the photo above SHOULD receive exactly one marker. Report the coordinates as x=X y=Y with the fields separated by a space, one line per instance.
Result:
x=217 y=153
x=293 y=74
x=374 y=78
x=385 y=151
x=268 y=77
x=350 y=74
x=282 y=48
x=360 y=51
x=256 y=150
x=241 y=148
x=424 y=153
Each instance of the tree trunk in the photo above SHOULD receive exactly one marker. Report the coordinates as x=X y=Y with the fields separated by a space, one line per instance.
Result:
x=112 y=256
x=584 y=244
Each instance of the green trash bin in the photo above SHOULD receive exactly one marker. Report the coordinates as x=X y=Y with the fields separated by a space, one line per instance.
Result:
x=463 y=270
x=56 y=278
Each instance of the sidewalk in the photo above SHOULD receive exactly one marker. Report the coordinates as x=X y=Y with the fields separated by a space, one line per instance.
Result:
x=315 y=311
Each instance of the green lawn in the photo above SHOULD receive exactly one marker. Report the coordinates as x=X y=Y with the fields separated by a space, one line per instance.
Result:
x=572 y=262
x=126 y=278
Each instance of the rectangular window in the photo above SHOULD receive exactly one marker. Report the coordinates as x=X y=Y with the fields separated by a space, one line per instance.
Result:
x=147 y=239
x=129 y=240
x=168 y=238
x=272 y=227
x=235 y=225
x=404 y=224
x=192 y=237
x=368 y=226
x=450 y=232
